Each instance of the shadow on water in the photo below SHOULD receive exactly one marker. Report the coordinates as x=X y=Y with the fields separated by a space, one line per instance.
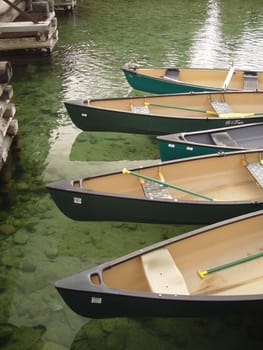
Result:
x=229 y=332
x=96 y=146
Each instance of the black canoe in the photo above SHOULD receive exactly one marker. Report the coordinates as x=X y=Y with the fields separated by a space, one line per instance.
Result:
x=210 y=271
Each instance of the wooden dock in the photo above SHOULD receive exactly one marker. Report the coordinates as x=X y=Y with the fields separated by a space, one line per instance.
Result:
x=65 y=5
x=8 y=123
x=28 y=25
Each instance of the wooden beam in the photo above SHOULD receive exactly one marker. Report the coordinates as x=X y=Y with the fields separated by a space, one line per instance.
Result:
x=23 y=13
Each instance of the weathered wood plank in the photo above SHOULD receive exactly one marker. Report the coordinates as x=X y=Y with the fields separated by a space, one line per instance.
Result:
x=29 y=43
x=27 y=26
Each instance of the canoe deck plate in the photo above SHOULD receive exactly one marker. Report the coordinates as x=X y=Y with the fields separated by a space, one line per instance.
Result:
x=154 y=190
x=142 y=110
x=256 y=170
x=221 y=107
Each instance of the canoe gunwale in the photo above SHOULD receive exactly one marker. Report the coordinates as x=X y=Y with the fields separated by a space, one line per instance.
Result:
x=58 y=186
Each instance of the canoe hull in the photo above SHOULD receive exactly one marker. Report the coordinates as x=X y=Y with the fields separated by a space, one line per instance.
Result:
x=177 y=150
x=88 y=118
x=91 y=206
x=114 y=303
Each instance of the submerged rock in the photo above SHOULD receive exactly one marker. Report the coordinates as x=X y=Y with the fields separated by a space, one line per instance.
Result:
x=21 y=237
x=28 y=266
x=7 y=229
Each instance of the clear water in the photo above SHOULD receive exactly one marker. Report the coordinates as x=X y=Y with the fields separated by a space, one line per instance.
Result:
x=39 y=245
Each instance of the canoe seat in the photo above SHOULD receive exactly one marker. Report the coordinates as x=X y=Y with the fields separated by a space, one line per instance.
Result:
x=172 y=73
x=223 y=139
x=256 y=170
x=221 y=107
x=140 y=109
x=154 y=190
x=250 y=81
x=162 y=274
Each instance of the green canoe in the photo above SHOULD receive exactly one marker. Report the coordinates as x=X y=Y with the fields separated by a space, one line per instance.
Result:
x=169 y=80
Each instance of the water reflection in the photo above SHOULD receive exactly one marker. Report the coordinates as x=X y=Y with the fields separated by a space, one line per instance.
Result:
x=226 y=38
x=73 y=153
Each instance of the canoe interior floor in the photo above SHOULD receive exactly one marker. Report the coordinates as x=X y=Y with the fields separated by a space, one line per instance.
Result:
x=234 y=186
x=246 y=278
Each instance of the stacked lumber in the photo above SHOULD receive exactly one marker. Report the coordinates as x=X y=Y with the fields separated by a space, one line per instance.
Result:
x=34 y=28
x=8 y=124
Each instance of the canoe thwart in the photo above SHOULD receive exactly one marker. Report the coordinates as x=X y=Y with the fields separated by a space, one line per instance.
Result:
x=162 y=273
x=155 y=190
x=228 y=77
x=221 y=107
x=250 y=81
x=223 y=139
x=256 y=170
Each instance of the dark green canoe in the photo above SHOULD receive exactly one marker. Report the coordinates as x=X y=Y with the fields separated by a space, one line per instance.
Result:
x=166 y=80
x=196 y=190
x=198 y=143
x=214 y=270
x=165 y=114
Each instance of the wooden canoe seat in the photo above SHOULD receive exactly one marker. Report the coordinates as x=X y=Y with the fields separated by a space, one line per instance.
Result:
x=140 y=109
x=256 y=170
x=172 y=73
x=162 y=274
x=250 y=81
x=154 y=190
x=223 y=139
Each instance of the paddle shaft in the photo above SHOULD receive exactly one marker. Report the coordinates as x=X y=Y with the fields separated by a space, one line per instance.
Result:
x=225 y=115
x=125 y=171
x=183 y=108
x=230 y=264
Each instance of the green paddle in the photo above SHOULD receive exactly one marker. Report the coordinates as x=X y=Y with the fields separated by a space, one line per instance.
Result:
x=221 y=115
x=182 y=108
x=126 y=171
x=203 y=273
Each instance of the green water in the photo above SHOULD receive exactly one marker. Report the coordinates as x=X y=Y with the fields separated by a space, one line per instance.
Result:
x=39 y=245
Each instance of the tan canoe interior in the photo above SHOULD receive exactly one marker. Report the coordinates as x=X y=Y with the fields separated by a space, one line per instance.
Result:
x=234 y=102
x=178 y=274
x=207 y=77
x=224 y=178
